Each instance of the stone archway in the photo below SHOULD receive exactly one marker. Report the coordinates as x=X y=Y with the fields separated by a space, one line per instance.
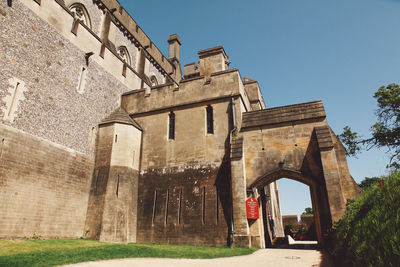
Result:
x=317 y=194
x=295 y=142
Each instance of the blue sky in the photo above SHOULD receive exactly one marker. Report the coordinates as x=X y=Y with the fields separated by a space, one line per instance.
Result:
x=337 y=51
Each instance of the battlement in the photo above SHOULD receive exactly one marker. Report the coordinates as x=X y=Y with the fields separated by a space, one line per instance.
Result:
x=133 y=32
x=224 y=84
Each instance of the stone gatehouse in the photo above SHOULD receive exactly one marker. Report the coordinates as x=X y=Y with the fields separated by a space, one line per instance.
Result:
x=102 y=136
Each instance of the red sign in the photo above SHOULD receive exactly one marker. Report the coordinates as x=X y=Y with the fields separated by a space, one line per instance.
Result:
x=252 y=208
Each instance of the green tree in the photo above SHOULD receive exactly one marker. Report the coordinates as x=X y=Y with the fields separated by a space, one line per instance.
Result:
x=308 y=211
x=368 y=182
x=385 y=132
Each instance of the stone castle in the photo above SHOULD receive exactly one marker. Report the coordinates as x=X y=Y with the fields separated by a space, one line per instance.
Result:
x=102 y=136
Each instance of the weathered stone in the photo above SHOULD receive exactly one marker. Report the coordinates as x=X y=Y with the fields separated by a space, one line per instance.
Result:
x=101 y=137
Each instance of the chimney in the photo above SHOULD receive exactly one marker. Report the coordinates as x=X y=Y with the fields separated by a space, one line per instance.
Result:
x=213 y=60
x=174 y=44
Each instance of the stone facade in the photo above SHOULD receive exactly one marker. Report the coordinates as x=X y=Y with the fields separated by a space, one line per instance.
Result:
x=101 y=136
x=43 y=187
x=54 y=94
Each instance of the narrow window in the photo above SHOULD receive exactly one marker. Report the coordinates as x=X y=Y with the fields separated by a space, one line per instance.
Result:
x=203 y=205
x=216 y=205
x=210 y=120
x=154 y=207
x=171 y=131
x=117 y=185
x=82 y=78
x=166 y=208
x=96 y=174
x=180 y=206
x=13 y=99
x=1 y=147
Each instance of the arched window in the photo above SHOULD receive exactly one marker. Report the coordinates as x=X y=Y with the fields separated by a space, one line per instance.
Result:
x=124 y=54
x=171 y=126
x=81 y=13
x=153 y=80
x=210 y=119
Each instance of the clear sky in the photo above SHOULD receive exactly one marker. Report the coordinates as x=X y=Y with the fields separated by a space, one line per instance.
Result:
x=337 y=51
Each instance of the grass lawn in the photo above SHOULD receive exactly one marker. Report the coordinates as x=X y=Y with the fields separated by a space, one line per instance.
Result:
x=29 y=252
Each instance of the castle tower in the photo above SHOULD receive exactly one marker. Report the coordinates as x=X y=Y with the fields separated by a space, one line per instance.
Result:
x=112 y=209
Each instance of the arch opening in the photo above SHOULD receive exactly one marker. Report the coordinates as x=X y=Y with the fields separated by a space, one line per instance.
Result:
x=81 y=13
x=124 y=55
x=272 y=223
x=297 y=211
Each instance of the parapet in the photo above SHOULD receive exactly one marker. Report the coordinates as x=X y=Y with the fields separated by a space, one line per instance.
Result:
x=191 y=70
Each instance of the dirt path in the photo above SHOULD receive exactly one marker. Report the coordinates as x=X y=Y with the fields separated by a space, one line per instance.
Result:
x=262 y=257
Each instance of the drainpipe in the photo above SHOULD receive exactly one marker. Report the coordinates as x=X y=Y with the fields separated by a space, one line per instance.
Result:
x=232 y=231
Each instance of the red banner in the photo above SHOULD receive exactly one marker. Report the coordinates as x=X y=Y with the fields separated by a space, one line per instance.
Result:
x=252 y=208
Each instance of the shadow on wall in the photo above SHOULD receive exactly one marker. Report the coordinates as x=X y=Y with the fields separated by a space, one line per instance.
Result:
x=223 y=182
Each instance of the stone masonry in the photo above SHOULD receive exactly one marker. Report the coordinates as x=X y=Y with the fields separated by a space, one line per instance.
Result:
x=104 y=137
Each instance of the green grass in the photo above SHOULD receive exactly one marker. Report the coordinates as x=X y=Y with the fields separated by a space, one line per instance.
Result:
x=41 y=253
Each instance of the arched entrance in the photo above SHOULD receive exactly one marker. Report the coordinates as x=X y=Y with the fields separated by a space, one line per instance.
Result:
x=318 y=199
x=292 y=142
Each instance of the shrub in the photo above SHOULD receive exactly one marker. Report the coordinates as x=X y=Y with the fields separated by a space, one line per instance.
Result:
x=369 y=234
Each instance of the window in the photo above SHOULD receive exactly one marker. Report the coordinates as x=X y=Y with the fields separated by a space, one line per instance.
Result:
x=81 y=13
x=210 y=120
x=153 y=80
x=82 y=82
x=124 y=54
x=171 y=128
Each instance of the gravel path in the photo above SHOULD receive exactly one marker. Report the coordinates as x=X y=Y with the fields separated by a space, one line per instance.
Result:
x=263 y=257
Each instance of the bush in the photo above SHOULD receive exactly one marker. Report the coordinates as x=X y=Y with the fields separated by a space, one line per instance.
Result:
x=369 y=234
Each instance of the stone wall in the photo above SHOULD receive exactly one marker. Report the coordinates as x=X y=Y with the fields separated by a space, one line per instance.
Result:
x=192 y=145
x=53 y=107
x=51 y=101
x=285 y=143
x=290 y=219
x=43 y=187
x=188 y=205
x=185 y=183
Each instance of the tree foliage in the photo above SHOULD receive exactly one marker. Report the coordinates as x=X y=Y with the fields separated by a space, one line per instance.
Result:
x=308 y=211
x=368 y=234
x=368 y=182
x=350 y=139
x=385 y=132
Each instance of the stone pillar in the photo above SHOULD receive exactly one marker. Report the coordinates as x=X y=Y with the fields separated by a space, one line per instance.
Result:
x=331 y=173
x=256 y=227
x=241 y=236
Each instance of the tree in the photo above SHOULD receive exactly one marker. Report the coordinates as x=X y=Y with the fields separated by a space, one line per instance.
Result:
x=385 y=132
x=308 y=211
x=368 y=182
